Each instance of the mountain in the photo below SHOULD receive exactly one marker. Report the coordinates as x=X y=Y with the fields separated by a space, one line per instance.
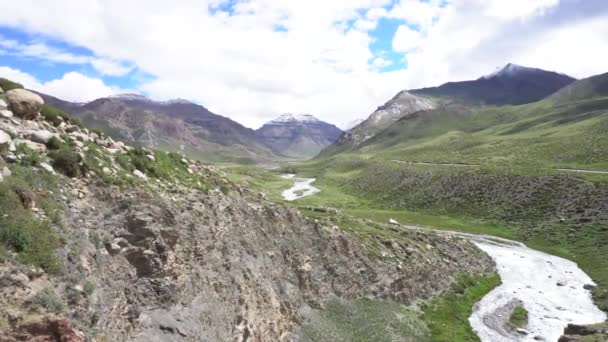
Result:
x=403 y=104
x=513 y=84
x=586 y=88
x=350 y=124
x=170 y=125
x=297 y=136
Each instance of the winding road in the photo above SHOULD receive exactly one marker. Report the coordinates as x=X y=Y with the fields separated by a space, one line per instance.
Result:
x=550 y=288
x=477 y=165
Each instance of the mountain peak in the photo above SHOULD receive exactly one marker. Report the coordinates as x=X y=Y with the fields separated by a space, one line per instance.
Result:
x=129 y=96
x=510 y=69
x=288 y=117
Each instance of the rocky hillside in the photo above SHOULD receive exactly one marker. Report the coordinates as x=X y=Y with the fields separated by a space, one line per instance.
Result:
x=175 y=125
x=400 y=106
x=297 y=136
x=101 y=241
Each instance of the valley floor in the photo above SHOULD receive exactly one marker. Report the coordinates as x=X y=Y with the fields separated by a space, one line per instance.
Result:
x=337 y=196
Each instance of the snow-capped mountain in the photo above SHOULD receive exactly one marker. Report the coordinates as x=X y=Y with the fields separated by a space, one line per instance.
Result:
x=297 y=135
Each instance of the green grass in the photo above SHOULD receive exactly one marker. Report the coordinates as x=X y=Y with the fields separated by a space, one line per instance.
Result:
x=519 y=317
x=447 y=316
x=7 y=85
x=32 y=239
x=363 y=320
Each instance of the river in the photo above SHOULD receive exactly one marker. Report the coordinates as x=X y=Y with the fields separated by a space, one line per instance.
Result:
x=550 y=288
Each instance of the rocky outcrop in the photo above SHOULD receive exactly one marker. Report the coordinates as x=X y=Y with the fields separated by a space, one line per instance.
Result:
x=24 y=103
x=576 y=333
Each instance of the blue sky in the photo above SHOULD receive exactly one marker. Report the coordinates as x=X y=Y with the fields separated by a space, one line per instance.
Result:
x=252 y=60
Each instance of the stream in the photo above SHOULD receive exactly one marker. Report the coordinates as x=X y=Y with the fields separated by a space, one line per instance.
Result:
x=302 y=187
x=550 y=288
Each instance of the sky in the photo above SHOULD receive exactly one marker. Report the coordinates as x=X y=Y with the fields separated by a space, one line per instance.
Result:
x=252 y=60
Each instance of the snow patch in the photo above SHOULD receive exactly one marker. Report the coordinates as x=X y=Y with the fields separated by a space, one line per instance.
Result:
x=286 y=118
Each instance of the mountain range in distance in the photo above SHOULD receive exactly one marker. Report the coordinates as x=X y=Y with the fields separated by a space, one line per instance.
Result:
x=180 y=125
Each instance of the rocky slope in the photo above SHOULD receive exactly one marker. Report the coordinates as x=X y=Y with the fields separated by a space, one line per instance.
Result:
x=102 y=241
x=400 y=106
x=297 y=136
x=172 y=125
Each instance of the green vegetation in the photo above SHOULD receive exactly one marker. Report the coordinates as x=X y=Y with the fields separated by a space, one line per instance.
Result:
x=67 y=161
x=57 y=116
x=7 y=85
x=32 y=239
x=88 y=288
x=519 y=317
x=364 y=320
x=54 y=144
x=48 y=299
x=29 y=156
x=447 y=316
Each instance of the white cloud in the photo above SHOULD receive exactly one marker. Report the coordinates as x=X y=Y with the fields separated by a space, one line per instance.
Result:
x=73 y=86
x=48 y=53
x=406 y=39
x=239 y=65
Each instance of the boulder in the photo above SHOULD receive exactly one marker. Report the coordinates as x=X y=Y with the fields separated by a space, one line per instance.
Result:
x=393 y=221
x=5 y=113
x=1 y=90
x=139 y=174
x=3 y=104
x=5 y=139
x=24 y=103
x=6 y=172
x=72 y=128
x=30 y=144
x=48 y=168
x=42 y=136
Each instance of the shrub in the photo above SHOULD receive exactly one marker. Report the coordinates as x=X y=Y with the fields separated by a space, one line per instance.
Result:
x=48 y=299
x=30 y=157
x=55 y=115
x=67 y=161
x=54 y=144
x=33 y=240
x=7 y=85
x=88 y=288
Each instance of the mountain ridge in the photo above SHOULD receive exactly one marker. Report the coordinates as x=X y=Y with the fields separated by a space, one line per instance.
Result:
x=299 y=136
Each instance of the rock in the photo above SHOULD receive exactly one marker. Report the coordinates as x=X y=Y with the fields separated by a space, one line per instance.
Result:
x=78 y=136
x=392 y=221
x=1 y=178
x=49 y=330
x=6 y=172
x=6 y=113
x=560 y=283
x=522 y=331
x=1 y=90
x=72 y=129
x=151 y=157
x=31 y=145
x=3 y=104
x=24 y=103
x=539 y=338
x=106 y=170
x=588 y=287
x=5 y=139
x=48 y=168
x=139 y=174
x=42 y=136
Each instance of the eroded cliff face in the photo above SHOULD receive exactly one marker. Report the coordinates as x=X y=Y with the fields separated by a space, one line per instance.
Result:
x=194 y=266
